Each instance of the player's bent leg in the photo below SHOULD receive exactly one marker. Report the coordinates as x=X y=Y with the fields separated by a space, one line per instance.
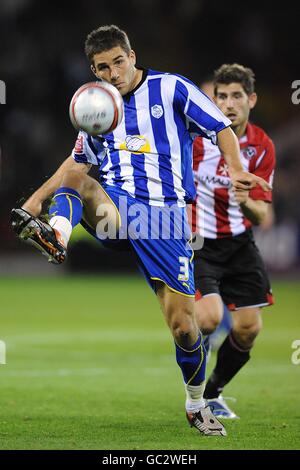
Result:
x=97 y=205
x=190 y=355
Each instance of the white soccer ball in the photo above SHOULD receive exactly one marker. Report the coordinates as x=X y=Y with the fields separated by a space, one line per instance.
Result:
x=96 y=108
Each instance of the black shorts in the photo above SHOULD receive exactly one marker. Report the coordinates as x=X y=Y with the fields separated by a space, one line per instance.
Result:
x=234 y=269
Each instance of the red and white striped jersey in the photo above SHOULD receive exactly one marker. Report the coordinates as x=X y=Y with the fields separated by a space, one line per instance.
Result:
x=215 y=212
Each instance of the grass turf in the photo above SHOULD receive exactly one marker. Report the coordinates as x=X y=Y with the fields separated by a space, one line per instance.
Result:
x=91 y=365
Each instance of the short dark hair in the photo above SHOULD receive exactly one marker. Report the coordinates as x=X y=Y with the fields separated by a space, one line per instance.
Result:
x=104 y=39
x=229 y=73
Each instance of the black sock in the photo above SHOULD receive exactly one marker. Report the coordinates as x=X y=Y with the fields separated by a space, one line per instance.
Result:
x=230 y=359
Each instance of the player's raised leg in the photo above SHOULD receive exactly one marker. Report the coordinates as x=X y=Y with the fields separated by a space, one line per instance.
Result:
x=81 y=196
x=178 y=310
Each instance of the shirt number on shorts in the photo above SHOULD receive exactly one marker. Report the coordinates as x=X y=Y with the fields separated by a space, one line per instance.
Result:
x=184 y=268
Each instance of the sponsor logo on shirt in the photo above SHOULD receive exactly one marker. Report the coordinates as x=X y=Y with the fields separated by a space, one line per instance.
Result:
x=215 y=180
x=135 y=144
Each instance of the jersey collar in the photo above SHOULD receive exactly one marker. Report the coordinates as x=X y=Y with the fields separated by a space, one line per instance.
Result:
x=144 y=76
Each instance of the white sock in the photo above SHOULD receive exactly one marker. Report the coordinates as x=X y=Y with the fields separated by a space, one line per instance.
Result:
x=194 y=397
x=63 y=226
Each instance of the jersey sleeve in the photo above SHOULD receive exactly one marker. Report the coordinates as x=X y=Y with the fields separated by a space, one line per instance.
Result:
x=265 y=166
x=88 y=149
x=204 y=118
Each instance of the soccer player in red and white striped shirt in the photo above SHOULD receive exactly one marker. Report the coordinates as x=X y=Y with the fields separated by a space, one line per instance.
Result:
x=229 y=267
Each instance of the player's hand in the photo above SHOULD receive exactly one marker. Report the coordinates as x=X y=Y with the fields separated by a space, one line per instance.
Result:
x=241 y=195
x=246 y=181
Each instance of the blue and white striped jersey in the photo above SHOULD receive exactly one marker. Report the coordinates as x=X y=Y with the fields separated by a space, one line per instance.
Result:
x=149 y=155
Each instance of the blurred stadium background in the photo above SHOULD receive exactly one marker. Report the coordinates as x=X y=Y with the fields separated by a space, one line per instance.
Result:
x=42 y=63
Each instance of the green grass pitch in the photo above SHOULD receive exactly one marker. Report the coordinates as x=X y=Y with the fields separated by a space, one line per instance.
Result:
x=91 y=365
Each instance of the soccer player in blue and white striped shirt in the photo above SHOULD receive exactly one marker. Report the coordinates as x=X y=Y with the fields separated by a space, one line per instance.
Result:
x=145 y=181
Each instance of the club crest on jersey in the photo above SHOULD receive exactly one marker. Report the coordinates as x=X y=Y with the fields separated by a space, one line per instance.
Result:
x=135 y=144
x=157 y=111
x=249 y=152
x=79 y=145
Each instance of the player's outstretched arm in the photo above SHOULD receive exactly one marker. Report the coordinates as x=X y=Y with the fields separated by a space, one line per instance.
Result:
x=33 y=205
x=229 y=147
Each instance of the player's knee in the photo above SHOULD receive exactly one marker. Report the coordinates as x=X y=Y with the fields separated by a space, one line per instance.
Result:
x=74 y=179
x=209 y=312
x=182 y=331
x=246 y=333
x=183 y=328
x=209 y=324
x=208 y=320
